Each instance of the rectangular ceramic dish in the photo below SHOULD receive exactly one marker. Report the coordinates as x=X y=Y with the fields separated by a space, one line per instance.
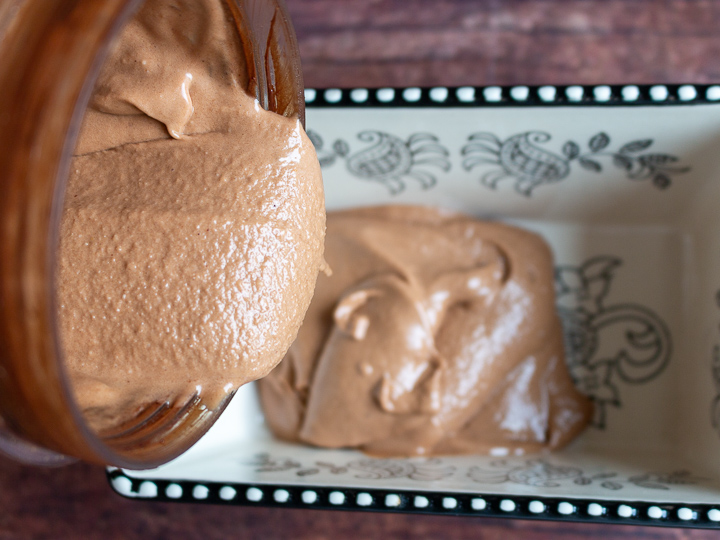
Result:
x=624 y=183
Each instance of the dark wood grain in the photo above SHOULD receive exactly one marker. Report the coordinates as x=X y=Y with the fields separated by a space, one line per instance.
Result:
x=455 y=42
x=75 y=503
x=404 y=42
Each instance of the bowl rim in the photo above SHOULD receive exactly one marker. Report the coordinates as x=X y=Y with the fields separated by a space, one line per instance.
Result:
x=567 y=95
x=408 y=501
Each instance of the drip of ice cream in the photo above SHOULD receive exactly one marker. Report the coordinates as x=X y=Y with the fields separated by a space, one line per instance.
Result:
x=435 y=334
x=193 y=225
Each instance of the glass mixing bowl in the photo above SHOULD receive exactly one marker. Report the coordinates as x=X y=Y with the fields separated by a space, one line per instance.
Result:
x=50 y=54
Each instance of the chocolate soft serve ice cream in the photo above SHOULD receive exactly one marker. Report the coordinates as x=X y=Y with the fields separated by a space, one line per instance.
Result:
x=435 y=334
x=193 y=225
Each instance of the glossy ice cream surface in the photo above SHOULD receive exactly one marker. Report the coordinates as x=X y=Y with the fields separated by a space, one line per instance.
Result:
x=435 y=334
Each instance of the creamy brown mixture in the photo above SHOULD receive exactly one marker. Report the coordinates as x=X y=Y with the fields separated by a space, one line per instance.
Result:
x=436 y=333
x=193 y=226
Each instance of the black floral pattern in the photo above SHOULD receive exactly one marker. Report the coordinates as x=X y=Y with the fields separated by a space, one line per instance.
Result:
x=425 y=470
x=715 y=371
x=392 y=161
x=542 y=473
x=640 y=357
x=389 y=160
x=521 y=158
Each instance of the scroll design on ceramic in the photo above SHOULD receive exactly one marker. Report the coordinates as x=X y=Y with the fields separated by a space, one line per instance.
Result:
x=606 y=345
x=388 y=160
x=715 y=366
x=522 y=158
x=530 y=472
x=542 y=473
x=369 y=469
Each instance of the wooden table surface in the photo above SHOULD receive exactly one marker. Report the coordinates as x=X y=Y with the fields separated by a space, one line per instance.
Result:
x=373 y=43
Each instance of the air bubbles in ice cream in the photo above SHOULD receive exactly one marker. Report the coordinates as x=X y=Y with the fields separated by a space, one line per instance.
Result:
x=193 y=225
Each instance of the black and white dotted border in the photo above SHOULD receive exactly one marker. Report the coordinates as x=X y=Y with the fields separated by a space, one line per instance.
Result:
x=630 y=94
x=423 y=502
